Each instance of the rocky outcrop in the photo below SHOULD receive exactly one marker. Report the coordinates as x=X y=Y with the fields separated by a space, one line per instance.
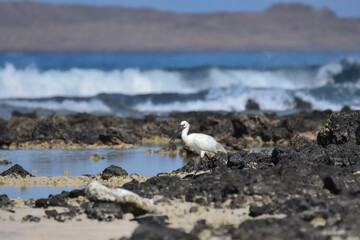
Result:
x=341 y=128
x=113 y=171
x=252 y=105
x=87 y=131
x=312 y=186
x=4 y=201
x=114 y=136
x=17 y=171
x=103 y=211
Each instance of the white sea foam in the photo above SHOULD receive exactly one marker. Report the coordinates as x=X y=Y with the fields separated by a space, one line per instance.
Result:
x=283 y=79
x=33 y=83
x=91 y=106
x=325 y=104
x=235 y=98
x=327 y=72
x=319 y=104
x=230 y=99
x=227 y=89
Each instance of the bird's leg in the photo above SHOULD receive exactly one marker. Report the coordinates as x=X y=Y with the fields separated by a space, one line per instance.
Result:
x=198 y=167
x=212 y=162
x=202 y=153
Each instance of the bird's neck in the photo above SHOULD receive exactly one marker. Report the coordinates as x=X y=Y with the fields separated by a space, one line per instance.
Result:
x=184 y=134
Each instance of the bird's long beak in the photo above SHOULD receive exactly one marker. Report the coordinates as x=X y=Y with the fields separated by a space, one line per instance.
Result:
x=176 y=134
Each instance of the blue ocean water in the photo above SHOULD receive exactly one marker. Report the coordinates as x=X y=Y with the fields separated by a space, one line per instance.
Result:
x=140 y=84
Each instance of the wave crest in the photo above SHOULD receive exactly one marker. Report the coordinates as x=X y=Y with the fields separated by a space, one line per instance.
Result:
x=134 y=91
x=34 y=83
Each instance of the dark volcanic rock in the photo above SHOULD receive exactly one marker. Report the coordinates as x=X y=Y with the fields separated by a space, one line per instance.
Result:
x=113 y=136
x=252 y=105
x=260 y=210
x=51 y=127
x=30 y=218
x=294 y=123
x=152 y=219
x=156 y=232
x=162 y=185
x=103 y=211
x=7 y=135
x=16 y=170
x=60 y=217
x=89 y=137
x=203 y=189
x=262 y=125
x=301 y=104
x=4 y=201
x=243 y=159
x=249 y=124
x=20 y=114
x=330 y=185
x=219 y=160
x=342 y=127
x=113 y=171
x=343 y=155
x=111 y=130
x=200 y=226
x=281 y=153
x=279 y=133
x=58 y=199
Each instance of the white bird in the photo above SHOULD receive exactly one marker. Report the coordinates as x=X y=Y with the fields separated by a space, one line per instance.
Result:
x=201 y=143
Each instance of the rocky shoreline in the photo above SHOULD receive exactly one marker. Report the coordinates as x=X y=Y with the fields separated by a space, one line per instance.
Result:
x=84 y=131
x=307 y=187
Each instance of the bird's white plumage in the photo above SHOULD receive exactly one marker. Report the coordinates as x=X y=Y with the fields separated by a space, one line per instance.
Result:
x=201 y=143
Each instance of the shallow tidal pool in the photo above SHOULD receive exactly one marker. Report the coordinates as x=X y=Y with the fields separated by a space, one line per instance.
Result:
x=54 y=162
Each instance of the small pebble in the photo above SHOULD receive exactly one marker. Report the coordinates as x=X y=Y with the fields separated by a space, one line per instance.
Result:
x=5 y=162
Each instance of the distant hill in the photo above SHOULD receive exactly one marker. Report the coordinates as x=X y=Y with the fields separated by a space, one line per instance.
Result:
x=26 y=26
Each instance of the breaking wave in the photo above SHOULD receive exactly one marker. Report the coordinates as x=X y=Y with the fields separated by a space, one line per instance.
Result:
x=34 y=83
x=134 y=91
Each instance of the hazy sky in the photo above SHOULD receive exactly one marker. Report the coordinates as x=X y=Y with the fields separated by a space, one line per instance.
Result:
x=344 y=8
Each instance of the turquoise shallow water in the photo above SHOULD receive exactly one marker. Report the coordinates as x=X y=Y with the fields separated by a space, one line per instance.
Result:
x=54 y=162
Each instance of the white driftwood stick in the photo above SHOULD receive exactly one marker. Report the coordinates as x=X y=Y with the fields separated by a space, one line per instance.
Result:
x=99 y=192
